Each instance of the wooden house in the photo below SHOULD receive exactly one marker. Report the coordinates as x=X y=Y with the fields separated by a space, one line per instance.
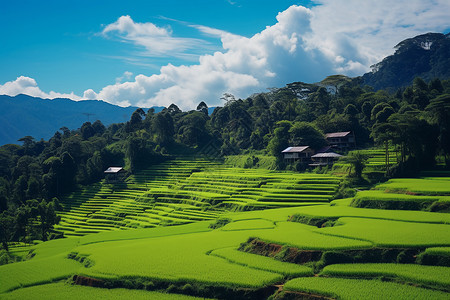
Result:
x=342 y=141
x=324 y=159
x=114 y=174
x=294 y=154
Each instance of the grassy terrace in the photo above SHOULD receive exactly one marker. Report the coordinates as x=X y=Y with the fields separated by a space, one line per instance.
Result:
x=330 y=249
x=376 y=161
x=430 y=194
x=360 y=289
x=194 y=257
x=183 y=191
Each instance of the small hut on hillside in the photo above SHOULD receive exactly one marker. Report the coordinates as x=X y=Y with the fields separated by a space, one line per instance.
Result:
x=343 y=141
x=301 y=153
x=114 y=174
x=324 y=159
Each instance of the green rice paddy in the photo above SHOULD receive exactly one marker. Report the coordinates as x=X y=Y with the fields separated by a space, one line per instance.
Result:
x=120 y=236
x=361 y=289
x=77 y=292
x=428 y=275
x=180 y=192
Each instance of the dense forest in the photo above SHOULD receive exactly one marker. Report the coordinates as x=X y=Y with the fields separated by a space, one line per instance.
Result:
x=415 y=119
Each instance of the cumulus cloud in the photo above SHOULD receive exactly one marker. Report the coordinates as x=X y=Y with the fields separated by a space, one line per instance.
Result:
x=356 y=34
x=125 y=76
x=336 y=36
x=29 y=86
x=246 y=65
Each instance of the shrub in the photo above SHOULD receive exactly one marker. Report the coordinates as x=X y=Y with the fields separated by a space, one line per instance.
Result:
x=434 y=258
x=188 y=289
x=219 y=223
x=334 y=257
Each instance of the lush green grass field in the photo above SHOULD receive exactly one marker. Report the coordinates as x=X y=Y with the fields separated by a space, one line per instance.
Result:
x=77 y=292
x=185 y=191
x=303 y=237
x=196 y=254
x=428 y=275
x=361 y=289
x=382 y=195
x=261 y=262
x=425 y=186
x=384 y=233
x=194 y=195
x=396 y=215
x=36 y=271
x=175 y=258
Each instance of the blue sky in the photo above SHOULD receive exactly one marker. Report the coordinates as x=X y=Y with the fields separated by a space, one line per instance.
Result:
x=157 y=52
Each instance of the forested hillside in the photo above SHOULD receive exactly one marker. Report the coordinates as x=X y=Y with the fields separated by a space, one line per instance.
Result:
x=426 y=56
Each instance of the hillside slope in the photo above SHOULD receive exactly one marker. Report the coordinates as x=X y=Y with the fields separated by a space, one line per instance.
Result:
x=426 y=56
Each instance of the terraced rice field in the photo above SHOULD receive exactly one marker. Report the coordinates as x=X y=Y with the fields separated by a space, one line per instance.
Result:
x=422 y=186
x=432 y=194
x=260 y=252
x=184 y=191
x=195 y=255
x=428 y=275
x=77 y=292
x=360 y=289
x=376 y=160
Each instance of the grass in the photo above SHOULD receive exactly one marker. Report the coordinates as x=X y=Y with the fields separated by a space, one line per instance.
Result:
x=439 y=250
x=381 y=195
x=195 y=254
x=327 y=211
x=360 y=289
x=66 y=291
x=36 y=271
x=385 y=233
x=303 y=237
x=197 y=193
x=249 y=225
x=185 y=191
x=428 y=275
x=261 y=262
x=425 y=186
x=175 y=258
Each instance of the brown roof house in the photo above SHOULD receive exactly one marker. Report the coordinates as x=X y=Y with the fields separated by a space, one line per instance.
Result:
x=301 y=153
x=343 y=141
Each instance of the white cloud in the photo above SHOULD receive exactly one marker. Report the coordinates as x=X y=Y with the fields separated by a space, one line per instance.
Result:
x=157 y=41
x=271 y=57
x=29 y=86
x=125 y=76
x=364 y=32
x=336 y=36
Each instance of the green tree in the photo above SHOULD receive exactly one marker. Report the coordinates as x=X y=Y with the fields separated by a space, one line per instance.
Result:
x=439 y=114
x=6 y=228
x=357 y=160
x=87 y=130
x=280 y=138
x=306 y=134
x=99 y=128
x=203 y=108
x=47 y=216
x=163 y=127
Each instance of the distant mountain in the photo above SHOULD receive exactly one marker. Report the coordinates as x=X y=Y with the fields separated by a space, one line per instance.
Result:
x=426 y=56
x=24 y=115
